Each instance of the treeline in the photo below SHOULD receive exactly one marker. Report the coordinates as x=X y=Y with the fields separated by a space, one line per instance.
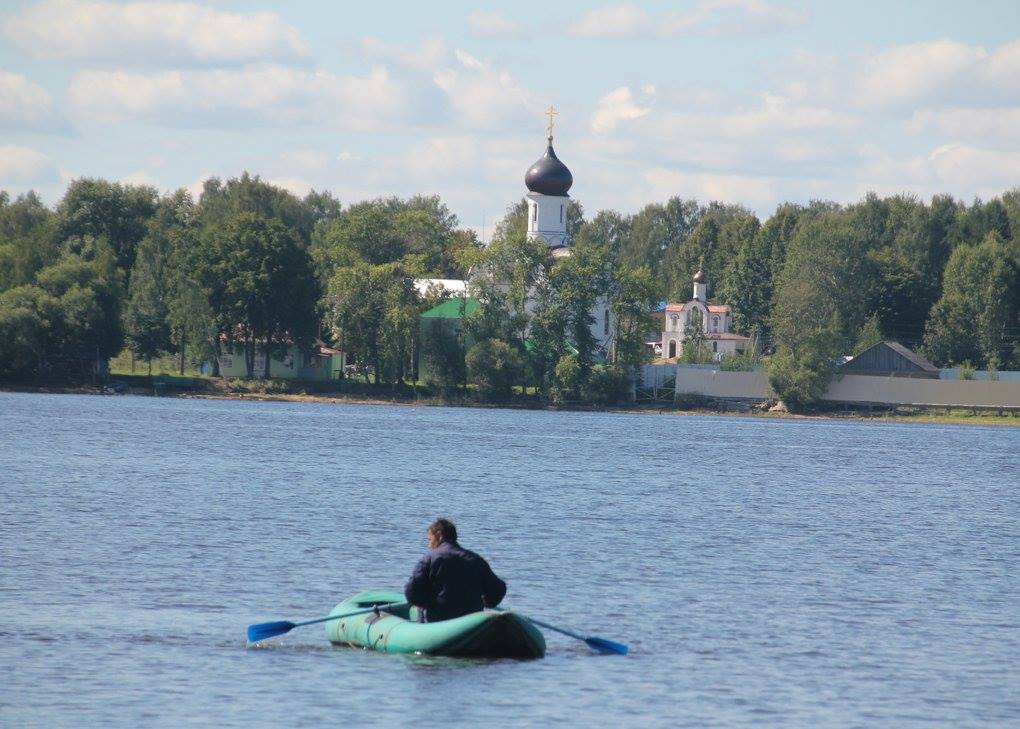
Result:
x=251 y=266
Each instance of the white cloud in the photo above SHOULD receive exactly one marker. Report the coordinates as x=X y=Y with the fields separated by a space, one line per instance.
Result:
x=908 y=74
x=751 y=190
x=615 y=107
x=483 y=96
x=442 y=156
x=23 y=104
x=24 y=165
x=993 y=127
x=494 y=24
x=431 y=53
x=707 y=17
x=272 y=95
x=156 y=33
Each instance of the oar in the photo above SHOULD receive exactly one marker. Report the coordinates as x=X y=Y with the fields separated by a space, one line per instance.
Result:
x=262 y=631
x=600 y=645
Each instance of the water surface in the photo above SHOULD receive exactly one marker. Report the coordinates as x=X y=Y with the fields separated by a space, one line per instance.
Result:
x=769 y=572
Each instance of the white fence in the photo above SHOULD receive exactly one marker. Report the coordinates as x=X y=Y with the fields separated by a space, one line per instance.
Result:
x=851 y=389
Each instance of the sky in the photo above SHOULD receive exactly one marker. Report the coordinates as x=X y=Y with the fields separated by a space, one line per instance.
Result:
x=755 y=102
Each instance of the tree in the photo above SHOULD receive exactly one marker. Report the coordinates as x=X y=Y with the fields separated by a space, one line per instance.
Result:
x=979 y=312
x=442 y=353
x=869 y=335
x=493 y=367
x=748 y=283
x=27 y=239
x=260 y=285
x=800 y=374
x=94 y=209
x=633 y=299
x=29 y=321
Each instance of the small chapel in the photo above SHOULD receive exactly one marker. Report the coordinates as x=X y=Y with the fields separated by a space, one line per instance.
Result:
x=713 y=320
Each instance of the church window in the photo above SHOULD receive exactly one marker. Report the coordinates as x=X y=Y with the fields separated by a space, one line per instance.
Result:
x=534 y=213
x=561 y=213
x=715 y=323
x=715 y=346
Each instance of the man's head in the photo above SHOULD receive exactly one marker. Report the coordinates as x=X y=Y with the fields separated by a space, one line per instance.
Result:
x=441 y=531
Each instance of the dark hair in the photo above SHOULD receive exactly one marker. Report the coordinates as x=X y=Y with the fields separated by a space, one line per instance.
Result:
x=444 y=529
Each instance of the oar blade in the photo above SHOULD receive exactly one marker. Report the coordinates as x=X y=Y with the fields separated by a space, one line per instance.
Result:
x=606 y=646
x=263 y=631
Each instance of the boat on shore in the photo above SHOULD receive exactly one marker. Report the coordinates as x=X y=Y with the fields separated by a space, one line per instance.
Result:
x=484 y=634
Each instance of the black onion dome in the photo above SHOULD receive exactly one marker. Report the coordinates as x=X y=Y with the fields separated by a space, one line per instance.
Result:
x=549 y=176
x=699 y=277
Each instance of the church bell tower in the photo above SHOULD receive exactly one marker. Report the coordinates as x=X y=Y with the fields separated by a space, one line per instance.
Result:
x=548 y=181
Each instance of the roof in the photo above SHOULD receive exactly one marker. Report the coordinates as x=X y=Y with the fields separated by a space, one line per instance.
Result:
x=455 y=308
x=714 y=308
x=549 y=176
x=729 y=335
x=912 y=357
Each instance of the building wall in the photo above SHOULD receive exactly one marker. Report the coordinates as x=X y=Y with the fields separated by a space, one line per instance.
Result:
x=858 y=389
x=293 y=364
x=547 y=217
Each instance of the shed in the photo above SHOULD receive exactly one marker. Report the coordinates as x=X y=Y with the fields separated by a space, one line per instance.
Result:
x=890 y=359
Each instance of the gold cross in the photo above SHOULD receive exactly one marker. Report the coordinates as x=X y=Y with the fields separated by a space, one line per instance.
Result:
x=551 y=113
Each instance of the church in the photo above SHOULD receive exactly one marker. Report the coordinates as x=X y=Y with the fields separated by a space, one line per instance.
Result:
x=548 y=182
x=712 y=320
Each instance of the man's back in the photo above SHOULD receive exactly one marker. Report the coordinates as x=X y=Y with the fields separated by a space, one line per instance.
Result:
x=451 y=581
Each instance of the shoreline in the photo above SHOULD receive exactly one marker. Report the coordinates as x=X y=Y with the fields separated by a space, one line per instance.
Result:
x=923 y=417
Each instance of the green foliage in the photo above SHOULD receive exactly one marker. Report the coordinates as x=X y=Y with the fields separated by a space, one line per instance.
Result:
x=800 y=371
x=634 y=295
x=260 y=284
x=966 y=370
x=442 y=355
x=977 y=315
x=607 y=384
x=94 y=209
x=869 y=335
x=493 y=367
x=745 y=362
x=567 y=378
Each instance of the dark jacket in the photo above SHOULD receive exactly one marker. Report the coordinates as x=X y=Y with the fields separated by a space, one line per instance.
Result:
x=451 y=581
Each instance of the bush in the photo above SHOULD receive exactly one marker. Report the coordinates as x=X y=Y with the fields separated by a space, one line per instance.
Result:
x=738 y=363
x=493 y=367
x=607 y=384
x=567 y=378
x=799 y=381
x=966 y=370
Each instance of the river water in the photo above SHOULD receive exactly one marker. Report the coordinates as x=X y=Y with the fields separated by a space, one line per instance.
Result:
x=764 y=572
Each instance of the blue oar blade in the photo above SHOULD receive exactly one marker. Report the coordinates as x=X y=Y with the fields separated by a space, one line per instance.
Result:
x=606 y=646
x=262 y=631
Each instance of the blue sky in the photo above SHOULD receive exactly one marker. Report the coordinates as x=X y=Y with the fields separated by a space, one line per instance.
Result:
x=748 y=101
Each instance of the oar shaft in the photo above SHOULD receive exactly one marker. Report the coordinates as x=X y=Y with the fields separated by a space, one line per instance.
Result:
x=558 y=630
x=389 y=606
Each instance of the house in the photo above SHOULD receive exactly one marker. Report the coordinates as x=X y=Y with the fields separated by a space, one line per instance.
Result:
x=890 y=359
x=713 y=320
x=318 y=362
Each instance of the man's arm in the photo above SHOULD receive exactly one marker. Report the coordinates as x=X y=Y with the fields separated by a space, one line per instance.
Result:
x=493 y=588
x=418 y=589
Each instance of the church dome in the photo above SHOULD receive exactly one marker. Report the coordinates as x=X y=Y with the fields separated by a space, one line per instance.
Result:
x=549 y=176
x=699 y=277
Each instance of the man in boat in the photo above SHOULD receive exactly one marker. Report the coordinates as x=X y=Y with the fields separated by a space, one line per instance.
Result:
x=451 y=581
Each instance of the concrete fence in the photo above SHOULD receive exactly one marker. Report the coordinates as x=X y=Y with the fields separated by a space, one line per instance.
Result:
x=857 y=389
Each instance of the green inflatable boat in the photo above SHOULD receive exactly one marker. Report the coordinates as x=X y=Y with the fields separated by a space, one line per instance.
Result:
x=488 y=633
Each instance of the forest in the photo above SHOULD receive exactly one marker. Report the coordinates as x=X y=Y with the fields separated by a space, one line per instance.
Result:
x=114 y=266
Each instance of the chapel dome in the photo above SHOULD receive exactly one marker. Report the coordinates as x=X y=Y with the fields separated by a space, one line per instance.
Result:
x=699 y=277
x=549 y=176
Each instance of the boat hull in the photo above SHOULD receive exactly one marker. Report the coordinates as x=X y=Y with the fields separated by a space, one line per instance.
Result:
x=487 y=633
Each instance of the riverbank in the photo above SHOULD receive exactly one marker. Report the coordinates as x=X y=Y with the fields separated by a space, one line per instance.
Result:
x=259 y=391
